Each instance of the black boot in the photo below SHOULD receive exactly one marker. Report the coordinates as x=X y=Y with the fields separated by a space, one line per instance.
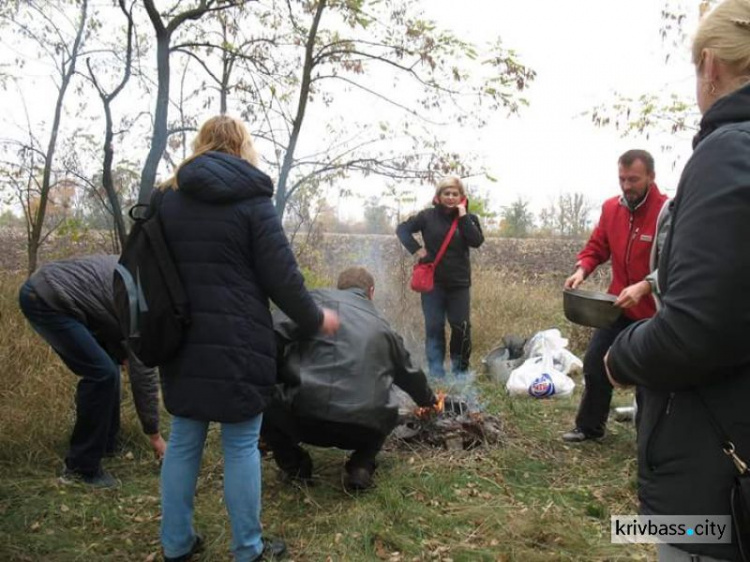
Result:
x=273 y=549
x=195 y=549
x=358 y=479
x=300 y=472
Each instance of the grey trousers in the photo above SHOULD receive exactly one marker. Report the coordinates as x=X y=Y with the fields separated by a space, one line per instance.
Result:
x=668 y=553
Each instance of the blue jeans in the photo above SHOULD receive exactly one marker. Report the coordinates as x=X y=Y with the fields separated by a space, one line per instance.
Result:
x=242 y=485
x=98 y=391
x=453 y=304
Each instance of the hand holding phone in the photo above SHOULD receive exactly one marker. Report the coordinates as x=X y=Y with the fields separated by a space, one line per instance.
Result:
x=461 y=207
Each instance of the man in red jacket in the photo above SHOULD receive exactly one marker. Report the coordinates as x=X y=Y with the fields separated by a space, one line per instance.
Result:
x=625 y=234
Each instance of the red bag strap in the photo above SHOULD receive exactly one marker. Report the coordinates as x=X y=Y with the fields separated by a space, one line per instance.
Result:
x=447 y=241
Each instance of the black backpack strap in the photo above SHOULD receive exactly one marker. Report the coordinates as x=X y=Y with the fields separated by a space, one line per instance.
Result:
x=154 y=204
x=155 y=233
x=142 y=211
x=133 y=300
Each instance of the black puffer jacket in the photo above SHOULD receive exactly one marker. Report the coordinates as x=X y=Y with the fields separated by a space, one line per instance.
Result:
x=454 y=270
x=696 y=347
x=232 y=254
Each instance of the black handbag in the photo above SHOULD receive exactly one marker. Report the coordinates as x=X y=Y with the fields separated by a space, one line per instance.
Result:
x=739 y=498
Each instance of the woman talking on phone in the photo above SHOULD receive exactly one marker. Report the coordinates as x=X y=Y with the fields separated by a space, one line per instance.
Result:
x=450 y=297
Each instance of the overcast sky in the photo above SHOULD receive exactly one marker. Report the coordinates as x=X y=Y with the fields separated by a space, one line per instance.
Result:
x=582 y=50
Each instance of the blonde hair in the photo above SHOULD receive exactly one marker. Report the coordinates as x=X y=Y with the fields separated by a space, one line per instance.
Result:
x=450 y=181
x=219 y=134
x=726 y=32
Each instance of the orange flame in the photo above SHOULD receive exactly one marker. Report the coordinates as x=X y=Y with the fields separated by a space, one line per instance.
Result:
x=440 y=404
x=437 y=408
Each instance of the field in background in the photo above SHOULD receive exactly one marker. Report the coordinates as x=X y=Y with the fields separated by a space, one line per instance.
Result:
x=533 y=499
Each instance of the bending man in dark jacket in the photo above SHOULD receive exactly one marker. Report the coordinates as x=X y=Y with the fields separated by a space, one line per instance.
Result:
x=339 y=389
x=70 y=304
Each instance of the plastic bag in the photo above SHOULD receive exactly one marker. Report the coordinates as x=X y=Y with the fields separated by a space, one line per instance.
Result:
x=545 y=373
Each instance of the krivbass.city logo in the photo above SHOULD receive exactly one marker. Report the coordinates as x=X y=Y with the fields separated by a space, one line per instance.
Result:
x=715 y=529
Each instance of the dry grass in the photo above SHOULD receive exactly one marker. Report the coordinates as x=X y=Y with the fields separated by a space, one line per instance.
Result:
x=533 y=499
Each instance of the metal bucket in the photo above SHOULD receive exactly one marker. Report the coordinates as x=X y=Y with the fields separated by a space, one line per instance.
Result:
x=498 y=365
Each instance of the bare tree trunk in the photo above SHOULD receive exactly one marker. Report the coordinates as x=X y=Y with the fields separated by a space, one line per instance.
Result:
x=108 y=182
x=286 y=166
x=161 y=112
x=159 y=138
x=109 y=152
x=226 y=71
x=35 y=237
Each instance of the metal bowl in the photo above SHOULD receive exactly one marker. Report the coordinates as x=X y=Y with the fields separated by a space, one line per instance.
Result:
x=590 y=308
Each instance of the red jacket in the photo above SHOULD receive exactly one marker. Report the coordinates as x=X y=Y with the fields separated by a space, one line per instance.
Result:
x=626 y=237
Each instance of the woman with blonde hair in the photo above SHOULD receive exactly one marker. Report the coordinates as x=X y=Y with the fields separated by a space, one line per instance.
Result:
x=232 y=256
x=450 y=298
x=692 y=359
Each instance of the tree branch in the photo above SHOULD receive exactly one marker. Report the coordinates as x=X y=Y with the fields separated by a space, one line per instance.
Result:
x=200 y=61
x=379 y=96
x=206 y=6
x=153 y=15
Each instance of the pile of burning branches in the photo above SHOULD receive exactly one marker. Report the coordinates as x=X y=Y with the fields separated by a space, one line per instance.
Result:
x=449 y=425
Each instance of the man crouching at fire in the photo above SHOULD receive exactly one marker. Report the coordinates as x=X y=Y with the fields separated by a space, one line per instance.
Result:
x=337 y=391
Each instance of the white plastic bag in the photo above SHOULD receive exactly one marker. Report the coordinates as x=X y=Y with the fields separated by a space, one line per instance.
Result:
x=544 y=340
x=538 y=379
x=545 y=373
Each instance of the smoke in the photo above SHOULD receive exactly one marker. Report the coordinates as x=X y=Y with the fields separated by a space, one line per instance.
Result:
x=461 y=387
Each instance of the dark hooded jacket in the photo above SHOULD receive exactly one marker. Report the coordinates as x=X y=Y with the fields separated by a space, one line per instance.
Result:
x=232 y=255
x=349 y=377
x=695 y=349
x=454 y=270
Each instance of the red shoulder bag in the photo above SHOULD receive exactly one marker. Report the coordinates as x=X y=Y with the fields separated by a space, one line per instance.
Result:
x=423 y=274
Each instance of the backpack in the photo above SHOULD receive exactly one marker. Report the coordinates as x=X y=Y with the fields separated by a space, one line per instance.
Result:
x=150 y=300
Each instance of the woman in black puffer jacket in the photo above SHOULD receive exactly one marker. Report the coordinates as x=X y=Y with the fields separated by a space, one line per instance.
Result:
x=232 y=256
x=450 y=298
x=692 y=359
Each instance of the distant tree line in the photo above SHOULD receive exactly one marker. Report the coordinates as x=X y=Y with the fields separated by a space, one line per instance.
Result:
x=569 y=215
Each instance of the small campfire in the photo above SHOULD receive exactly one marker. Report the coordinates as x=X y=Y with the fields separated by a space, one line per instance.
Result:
x=450 y=424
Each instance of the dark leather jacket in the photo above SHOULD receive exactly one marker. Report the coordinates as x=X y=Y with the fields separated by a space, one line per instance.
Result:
x=349 y=377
